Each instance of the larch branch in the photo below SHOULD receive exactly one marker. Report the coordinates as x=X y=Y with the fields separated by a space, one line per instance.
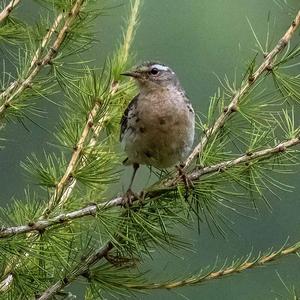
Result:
x=37 y=65
x=247 y=264
x=17 y=87
x=233 y=106
x=66 y=184
x=92 y=210
x=84 y=266
x=35 y=58
x=8 y=9
x=59 y=195
x=79 y=270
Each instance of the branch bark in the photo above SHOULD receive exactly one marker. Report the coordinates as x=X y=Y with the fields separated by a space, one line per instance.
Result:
x=36 y=66
x=38 y=62
x=8 y=9
x=224 y=272
x=81 y=269
x=66 y=184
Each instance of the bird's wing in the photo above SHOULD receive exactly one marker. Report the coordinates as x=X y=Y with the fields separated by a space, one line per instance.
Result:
x=126 y=116
x=187 y=101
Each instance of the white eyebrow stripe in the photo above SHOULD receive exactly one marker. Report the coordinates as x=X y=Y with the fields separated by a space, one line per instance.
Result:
x=160 y=67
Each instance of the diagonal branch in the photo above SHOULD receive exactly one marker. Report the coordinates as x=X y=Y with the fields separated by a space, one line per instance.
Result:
x=36 y=56
x=60 y=195
x=79 y=270
x=92 y=210
x=258 y=155
x=233 y=106
x=17 y=87
x=83 y=268
x=8 y=9
x=37 y=64
x=234 y=268
x=46 y=39
x=67 y=183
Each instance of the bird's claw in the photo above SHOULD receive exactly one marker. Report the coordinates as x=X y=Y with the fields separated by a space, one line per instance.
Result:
x=128 y=198
x=188 y=183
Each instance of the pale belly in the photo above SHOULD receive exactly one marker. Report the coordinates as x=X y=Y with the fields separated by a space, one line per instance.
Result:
x=162 y=139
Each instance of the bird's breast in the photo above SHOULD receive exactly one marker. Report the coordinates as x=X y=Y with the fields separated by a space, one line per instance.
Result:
x=164 y=129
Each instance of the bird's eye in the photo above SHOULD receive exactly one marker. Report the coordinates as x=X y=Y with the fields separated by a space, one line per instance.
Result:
x=154 y=71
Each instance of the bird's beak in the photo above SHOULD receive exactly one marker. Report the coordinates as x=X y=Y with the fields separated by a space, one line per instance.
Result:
x=131 y=74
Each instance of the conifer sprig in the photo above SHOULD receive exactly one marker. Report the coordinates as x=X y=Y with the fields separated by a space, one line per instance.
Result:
x=150 y=195
x=98 y=96
x=120 y=60
x=39 y=61
x=235 y=267
x=14 y=86
x=6 y=11
x=266 y=66
x=240 y=154
x=80 y=270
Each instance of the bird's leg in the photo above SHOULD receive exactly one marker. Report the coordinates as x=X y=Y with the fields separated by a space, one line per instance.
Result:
x=188 y=183
x=129 y=195
x=135 y=168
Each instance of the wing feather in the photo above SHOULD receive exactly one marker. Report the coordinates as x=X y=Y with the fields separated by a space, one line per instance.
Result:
x=125 y=117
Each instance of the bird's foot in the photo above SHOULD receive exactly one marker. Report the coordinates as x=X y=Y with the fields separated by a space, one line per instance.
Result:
x=141 y=198
x=188 y=183
x=121 y=260
x=128 y=198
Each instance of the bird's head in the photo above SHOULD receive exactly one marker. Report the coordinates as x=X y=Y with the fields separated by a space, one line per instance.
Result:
x=151 y=74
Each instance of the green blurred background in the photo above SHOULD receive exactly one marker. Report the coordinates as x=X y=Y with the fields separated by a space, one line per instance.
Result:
x=197 y=39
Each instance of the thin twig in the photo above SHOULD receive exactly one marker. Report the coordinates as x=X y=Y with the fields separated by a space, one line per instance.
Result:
x=223 y=166
x=19 y=86
x=82 y=268
x=36 y=57
x=249 y=263
x=92 y=210
x=46 y=39
x=58 y=196
x=67 y=183
x=8 y=9
x=233 y=106
x=223 y=272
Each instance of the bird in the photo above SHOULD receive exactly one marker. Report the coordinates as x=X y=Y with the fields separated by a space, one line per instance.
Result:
x=157 y=127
